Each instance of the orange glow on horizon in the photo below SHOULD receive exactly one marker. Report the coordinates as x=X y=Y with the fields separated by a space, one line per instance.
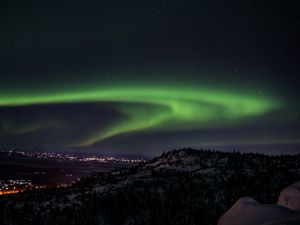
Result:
x=9 y=192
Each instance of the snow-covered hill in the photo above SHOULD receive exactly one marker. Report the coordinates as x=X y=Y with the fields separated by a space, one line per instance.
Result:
x=179 y=187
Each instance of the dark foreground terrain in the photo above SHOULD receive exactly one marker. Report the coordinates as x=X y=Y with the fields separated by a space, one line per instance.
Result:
x=179 y=187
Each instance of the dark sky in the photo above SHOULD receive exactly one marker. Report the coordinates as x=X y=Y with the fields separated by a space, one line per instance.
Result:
x=142 y=77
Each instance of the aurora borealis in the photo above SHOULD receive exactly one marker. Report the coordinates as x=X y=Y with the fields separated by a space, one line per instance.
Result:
x=157 y=107
x=96 y=78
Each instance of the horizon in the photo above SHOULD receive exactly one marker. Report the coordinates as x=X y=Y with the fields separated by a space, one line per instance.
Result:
x=149 y=156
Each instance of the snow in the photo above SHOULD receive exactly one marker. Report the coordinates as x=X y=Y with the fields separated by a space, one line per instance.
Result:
x=247 y=211
x=290 y=197
x=294 y=220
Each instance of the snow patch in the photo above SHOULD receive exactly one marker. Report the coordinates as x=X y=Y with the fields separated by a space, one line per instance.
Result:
x=247 y=211
x=290 y=197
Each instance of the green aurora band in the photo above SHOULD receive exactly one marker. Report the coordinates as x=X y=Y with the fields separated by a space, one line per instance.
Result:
x=155 y=107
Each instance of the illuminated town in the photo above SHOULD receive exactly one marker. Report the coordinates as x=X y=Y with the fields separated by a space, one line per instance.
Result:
x=69 y=157
x=15 y=186
x=65 y=176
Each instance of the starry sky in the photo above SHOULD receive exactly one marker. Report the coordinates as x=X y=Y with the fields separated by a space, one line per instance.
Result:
x=142 y=77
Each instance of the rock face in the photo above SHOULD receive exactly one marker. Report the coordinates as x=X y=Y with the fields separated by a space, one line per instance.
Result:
x=247 y=211
x=290 y=197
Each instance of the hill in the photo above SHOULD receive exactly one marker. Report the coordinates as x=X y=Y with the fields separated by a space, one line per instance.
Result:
x=180 y=187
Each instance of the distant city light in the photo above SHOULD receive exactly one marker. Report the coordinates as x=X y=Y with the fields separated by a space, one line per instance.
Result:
x=70 y=157
x=19 y=185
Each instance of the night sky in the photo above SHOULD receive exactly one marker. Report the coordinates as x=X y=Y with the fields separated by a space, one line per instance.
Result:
x=142 y=77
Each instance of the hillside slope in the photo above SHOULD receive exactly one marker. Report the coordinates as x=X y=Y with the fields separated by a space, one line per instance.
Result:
x=179 y=187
